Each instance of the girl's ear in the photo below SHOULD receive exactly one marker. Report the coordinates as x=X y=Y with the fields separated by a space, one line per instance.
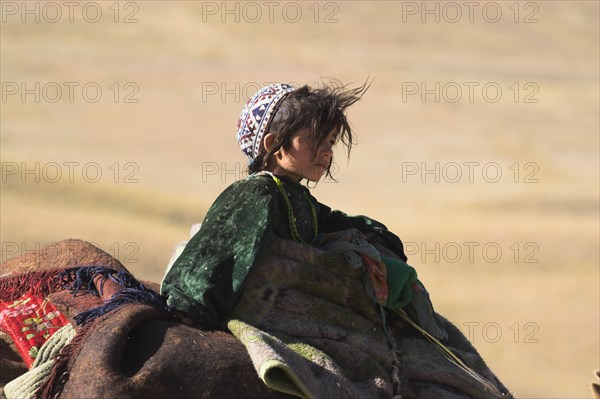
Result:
x=268 y=141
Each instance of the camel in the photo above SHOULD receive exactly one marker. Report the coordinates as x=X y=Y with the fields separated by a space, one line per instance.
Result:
x=140 y=351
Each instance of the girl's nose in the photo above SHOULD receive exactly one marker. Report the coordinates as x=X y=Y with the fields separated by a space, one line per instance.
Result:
x=327 y=150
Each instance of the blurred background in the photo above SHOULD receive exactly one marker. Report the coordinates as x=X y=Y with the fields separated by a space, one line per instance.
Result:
x=477 y=144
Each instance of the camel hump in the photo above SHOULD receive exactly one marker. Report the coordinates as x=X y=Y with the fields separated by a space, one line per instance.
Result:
x=59 y=255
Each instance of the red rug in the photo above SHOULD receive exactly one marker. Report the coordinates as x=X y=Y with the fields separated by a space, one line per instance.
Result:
x=30 y=321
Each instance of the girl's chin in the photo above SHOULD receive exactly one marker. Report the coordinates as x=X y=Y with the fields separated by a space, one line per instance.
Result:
x=315 y=178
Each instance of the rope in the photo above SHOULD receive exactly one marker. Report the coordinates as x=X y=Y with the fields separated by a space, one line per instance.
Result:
x=292 y=217
x=449 y=355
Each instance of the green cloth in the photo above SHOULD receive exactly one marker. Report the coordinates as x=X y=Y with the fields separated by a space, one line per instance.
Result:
x=206 y=279
x=400 y=278
x=407 y=292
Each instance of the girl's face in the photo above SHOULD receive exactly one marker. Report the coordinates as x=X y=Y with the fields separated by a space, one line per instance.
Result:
x=300 y=161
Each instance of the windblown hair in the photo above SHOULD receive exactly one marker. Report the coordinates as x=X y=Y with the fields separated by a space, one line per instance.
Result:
x=321 y=110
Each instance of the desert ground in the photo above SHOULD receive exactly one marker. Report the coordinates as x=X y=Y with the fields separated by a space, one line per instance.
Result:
x=478 y=145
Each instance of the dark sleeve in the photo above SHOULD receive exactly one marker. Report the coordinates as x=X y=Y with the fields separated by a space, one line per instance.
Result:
x=205 y=280
x=330 y=221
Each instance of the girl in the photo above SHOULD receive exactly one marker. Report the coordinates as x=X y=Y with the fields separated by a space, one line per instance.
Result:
x=297 y=282
x=288 y=135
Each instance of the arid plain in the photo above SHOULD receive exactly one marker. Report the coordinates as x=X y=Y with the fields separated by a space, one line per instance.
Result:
x=478 y=144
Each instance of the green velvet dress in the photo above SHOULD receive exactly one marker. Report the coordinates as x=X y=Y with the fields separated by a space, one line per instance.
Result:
x=206 y=280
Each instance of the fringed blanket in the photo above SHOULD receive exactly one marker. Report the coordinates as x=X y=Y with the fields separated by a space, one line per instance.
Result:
x=309 y=327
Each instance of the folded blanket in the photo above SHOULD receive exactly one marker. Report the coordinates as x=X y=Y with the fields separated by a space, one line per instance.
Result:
x=388 y=280
x=309 y=327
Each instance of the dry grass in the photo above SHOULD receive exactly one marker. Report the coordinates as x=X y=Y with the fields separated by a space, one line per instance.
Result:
x=168 y=143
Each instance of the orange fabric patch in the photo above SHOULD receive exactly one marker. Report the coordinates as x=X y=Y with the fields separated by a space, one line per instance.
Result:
x=378 y=276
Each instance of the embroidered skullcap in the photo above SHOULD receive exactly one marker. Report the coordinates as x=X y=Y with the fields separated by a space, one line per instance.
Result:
x=256 y=116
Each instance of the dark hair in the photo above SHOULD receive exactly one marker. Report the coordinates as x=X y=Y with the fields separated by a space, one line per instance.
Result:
x=321 y=110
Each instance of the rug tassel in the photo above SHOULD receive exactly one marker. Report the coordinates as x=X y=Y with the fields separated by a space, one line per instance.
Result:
x=86 y=279
x=40 y=284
